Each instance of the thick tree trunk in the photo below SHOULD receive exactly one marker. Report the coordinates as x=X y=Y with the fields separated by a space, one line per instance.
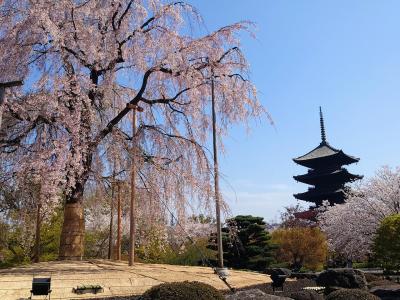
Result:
x=73 y=232
x=73 y=229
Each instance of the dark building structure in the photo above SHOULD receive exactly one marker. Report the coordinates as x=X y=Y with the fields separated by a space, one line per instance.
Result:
x=326 y=173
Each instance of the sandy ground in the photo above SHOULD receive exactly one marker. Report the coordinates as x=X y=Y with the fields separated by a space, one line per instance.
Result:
x=117 y=278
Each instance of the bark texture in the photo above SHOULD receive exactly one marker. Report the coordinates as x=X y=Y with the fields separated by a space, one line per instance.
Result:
x=73 y=232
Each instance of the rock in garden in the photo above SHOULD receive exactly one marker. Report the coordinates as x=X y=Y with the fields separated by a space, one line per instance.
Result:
x=254 y=294
x=387 y=292
x=344 y=278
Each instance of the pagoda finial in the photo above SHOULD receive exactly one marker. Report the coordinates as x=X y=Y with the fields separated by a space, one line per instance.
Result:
x=321 y=119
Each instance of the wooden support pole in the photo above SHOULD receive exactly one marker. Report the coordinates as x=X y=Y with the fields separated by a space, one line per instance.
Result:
x=132 y=227
x=36 y=257
x=119 y=229
x=110 y=236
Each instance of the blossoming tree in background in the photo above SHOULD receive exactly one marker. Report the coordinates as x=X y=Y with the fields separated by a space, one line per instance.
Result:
x=351 y=227
x=83 y=62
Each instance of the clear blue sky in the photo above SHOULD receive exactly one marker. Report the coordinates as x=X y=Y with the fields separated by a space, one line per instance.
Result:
x=342 y=55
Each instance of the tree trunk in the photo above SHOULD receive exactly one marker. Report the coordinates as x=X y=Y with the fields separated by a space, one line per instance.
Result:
x=110 y=235
x=73 y=232
x=119 y=231
x=73 y=229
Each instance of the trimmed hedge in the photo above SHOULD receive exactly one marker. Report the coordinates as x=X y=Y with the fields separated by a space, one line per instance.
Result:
x=371 y=277
x=380 y=282
x=306 y=295
x=351 y=294
x=182 y=291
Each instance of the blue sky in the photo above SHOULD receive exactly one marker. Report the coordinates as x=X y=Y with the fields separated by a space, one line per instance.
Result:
x=341 y=55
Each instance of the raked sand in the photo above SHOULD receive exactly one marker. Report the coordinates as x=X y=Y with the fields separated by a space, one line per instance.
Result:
x=116 y=277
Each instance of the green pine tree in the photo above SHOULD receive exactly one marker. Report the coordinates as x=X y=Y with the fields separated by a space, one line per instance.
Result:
x=246 y=243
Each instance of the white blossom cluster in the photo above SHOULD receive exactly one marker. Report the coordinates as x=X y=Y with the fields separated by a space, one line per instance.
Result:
x=351 y=227
x=83 y=62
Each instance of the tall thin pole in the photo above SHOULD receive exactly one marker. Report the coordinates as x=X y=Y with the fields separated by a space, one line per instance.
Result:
x=37 y=234
x=111 y=235
x=119 y=227
x=36 y=258
x=132 y=228
x=110 y=239
x=216 y=177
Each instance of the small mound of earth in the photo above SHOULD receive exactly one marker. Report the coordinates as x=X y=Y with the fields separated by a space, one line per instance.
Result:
x=254 y=294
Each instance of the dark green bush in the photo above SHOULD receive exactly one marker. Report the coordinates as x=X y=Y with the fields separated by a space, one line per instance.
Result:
x=371 y=277
x=306 y=295
x=379 y=282
x=351 y=294
x=182 y=291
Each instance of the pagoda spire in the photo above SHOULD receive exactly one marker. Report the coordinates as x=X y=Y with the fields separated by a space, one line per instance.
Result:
x=321 y=119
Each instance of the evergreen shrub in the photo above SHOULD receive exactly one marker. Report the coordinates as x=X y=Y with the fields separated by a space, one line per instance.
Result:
x=381 y=282
x=371 y=277
x=351 y=294
x=306 y=295
x=182 y=291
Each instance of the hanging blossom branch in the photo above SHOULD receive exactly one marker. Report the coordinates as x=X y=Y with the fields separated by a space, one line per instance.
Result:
x=80 y=54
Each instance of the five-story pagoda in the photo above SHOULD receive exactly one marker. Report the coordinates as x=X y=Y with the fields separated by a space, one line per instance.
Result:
x=326 y=173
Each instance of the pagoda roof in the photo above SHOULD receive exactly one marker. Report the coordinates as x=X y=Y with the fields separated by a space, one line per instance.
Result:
x=326 y=154
x=314 y=195
x=315 y=176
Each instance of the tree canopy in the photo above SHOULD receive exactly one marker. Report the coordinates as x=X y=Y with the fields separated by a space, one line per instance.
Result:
x=351 y=227
x=83 y=62
x=301 y=246
x=386 y=245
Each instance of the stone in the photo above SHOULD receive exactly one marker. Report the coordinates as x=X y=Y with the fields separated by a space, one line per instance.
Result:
x=387 y=292
x=343 y=278
x=254 y=294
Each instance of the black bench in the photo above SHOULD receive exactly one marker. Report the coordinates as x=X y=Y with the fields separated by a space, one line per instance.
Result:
x=278 y=277
x=278 y=281
x=41 y=287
